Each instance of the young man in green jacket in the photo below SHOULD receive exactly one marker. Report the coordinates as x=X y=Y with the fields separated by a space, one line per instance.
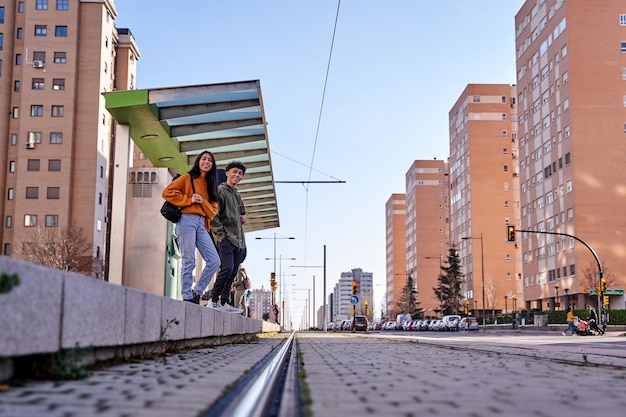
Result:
x=227 y=229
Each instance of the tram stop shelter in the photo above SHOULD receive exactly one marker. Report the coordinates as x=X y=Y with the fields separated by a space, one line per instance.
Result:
x=171 y=126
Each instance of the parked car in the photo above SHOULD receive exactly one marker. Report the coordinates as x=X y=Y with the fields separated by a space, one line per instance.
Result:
x=360 y=323
x=346 y=325
x=450 y=323
x=469 y=323
x=389 y=325
x=424 y=325
x=435 y=324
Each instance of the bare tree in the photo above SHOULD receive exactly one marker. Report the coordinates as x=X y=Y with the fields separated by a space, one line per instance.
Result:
x=491 y=294
x=589 y=280
x=65 y=249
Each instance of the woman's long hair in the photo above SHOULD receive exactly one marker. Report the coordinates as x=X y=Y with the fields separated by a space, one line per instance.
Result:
x=211 y=176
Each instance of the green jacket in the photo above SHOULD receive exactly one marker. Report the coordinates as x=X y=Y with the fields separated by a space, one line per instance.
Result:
x=227 y=223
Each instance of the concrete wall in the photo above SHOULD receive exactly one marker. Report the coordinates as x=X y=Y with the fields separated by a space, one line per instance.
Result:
x=52 y=310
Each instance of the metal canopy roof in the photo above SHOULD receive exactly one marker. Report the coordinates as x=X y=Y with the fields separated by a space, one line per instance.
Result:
x=173 y=125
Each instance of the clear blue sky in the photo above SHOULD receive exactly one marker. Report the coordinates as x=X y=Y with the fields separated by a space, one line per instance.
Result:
x=397 y=68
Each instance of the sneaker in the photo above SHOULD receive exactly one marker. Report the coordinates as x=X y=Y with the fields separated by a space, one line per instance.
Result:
x=196 y=298
x=215 y=305
x=227 y=308
x=563 y=334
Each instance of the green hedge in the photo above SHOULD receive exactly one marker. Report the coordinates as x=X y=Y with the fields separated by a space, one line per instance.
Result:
x=560 y=317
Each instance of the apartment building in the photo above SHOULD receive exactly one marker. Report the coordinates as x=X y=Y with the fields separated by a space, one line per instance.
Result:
x=342 y=307
x=571 y=98
x=427 y=229
x=57 y=57
x=484 y=181
x=395 y=245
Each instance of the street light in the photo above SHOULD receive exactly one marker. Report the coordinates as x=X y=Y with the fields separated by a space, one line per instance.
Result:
x=324 y=318
x=482 y=266
x=308 y=313
x=274 y=238
x=280 y=275
x=440 y=298
x=556 y=303
x=566 y=298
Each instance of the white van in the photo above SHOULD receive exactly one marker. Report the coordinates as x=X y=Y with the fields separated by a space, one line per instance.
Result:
x=450 y=323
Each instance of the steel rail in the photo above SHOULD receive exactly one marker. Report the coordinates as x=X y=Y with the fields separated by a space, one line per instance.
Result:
x=257 y=397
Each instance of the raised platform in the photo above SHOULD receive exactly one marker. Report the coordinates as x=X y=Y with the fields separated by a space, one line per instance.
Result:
x=52 y=310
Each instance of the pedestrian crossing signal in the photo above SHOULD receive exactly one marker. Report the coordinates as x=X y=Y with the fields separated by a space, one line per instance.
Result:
x=510 y=233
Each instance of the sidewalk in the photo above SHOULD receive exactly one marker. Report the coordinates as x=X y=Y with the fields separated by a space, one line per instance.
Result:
x=179 y=385
x=347 y=377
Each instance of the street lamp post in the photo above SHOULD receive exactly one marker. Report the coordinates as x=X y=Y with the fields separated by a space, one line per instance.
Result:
x=325 y=320
x=280 y=277
x=506 y=297
x=556 y=302
x=440 y=299
x=274 y=258
x=566 y=298
x=482 y=272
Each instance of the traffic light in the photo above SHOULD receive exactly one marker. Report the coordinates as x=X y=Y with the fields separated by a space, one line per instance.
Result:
x=510 y=233
x=605 y=300
x=273 y=281
x=355 y=287
x=603 y=284
x=367 y=310
x=467 y=303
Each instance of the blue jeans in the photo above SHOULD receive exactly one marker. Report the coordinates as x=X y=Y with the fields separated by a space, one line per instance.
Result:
x=191 y=235
x=230 y=256
x=570 y=326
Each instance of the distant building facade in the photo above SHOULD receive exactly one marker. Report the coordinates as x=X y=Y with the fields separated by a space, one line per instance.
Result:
x=572 y=146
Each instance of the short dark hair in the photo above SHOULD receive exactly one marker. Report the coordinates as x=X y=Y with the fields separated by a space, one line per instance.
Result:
x=236 y=164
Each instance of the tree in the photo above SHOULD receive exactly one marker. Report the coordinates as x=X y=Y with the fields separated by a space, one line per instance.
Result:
x=491 y=294
x=65 y=249
x=589 y=280
x=448 y=292
x=407 y=303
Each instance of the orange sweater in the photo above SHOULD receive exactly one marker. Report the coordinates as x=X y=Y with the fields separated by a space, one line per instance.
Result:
x=179 y=192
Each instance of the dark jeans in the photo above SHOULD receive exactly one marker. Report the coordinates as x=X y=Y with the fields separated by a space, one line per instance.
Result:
x=231 y=257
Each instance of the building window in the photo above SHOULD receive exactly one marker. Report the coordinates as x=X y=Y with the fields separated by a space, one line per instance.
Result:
x=41 y=30
x=11 y=194
x=52 y=220
x=32 y=192
x=34 y=137
x=41 y=5
x=54 y=165
x=33 y=165
x=11 y=166
x=30 y=220
x=60 y=31
x=58 y=83
x=504 y=133
x=568 y=158
x=53 y=193
x=1 y=40
x=18 y=59
x=56 y=137
x=100 y=198
x=7 y=249
x=572 y=269
x=57 y=111
x=570 y=213
x=1 y=14
x=16 y=86
x=38 y=84
x=13 y=139
x=505 y=168
x=36 y=110
x=60 y=58
x=20 y=33
x=8 y=222
x=62 y=4
x=20 y=7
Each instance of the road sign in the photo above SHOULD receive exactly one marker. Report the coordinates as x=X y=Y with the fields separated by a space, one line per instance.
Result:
x=354 y=300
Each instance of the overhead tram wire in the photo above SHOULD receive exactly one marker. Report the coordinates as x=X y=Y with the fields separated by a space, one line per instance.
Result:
x=317 y=130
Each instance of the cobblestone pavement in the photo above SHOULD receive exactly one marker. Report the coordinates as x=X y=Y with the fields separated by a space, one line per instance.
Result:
x=360 y=375
x=350 y=376
x=182 y=385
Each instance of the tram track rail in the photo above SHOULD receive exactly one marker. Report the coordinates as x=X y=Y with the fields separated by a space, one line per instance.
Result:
x=271 y=388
